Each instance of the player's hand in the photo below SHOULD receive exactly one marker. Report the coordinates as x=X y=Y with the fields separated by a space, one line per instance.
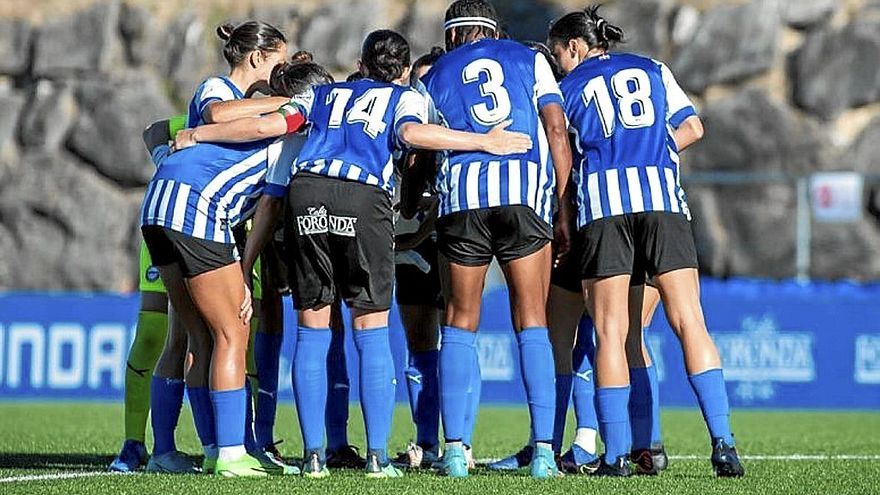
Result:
x=247 y=306
x=184 y=139
x=562 y=233
x=500 y=141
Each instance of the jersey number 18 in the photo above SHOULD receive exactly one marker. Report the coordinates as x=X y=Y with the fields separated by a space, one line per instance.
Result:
x=632 y=87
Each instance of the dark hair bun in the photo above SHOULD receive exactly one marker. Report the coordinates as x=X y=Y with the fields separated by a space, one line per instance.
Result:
x=437 y=51
x=302 y=57
x=225 y=31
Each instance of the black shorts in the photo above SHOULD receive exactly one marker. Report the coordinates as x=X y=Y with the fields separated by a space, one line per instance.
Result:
x=415 y=287
x=194 y=256
x=339 y=238
x=642 y=245
x=473 y=237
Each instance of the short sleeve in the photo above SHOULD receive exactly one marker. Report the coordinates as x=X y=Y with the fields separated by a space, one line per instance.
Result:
x=433 y=115
x=546 y=88
x=679 y=106
x=281 y=156
x=411 y=107
x=214 y=89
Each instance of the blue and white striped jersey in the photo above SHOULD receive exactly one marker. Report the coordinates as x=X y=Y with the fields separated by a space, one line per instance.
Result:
x=206 y=190
x=622 y=109
x=211 y=90
x=476 y=87
x=353 y=132
x=281 y=159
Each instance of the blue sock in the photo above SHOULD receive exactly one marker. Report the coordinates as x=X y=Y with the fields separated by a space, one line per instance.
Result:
x=229 y=414
x=656 y=431
x=563 y=398
x=457 y=350
x=203 y=415
x=583 y=386
x=336 y=416
x=267 y=351
x=538 y=374
x=310 y=384
x=640 y=407
x=166 y=399
x=422 y=383
x=612 y=404
x=712 y=395
x=250 y=438
x=377 y=387
x=473 y=400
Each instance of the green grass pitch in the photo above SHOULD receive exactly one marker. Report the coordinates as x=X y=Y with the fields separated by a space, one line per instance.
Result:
x=42 y=445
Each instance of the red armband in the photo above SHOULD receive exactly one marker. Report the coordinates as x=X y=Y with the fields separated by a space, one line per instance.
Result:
x=295 y=122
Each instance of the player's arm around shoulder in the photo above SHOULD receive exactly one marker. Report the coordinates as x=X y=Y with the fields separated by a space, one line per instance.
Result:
x=289 y=119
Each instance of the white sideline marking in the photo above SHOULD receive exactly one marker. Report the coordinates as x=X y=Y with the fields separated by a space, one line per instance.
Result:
x=754 y=457
x=57 y=476
x=763 y=457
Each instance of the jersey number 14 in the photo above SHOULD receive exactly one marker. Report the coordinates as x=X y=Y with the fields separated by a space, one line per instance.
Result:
x=368 y=110
x=632 y=87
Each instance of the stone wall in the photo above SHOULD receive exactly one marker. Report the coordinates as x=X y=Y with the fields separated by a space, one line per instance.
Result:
x=788 y=86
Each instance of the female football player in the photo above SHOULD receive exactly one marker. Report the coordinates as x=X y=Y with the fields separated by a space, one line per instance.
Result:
x=632 y=119
x=499 y=208
x=150 y=334
x=419 y=300
x=339 y=229
x=194 y=258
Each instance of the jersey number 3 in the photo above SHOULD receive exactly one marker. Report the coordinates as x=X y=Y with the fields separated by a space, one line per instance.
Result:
x=632 y=87
x=368 y=110
x=493 y=88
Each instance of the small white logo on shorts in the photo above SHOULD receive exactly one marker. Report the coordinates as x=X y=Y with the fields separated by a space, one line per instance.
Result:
x=319 y=222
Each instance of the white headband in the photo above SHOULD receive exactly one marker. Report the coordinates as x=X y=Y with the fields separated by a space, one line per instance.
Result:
x=471 y=21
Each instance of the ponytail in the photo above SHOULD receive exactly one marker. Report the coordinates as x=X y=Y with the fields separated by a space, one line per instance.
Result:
x=587 y=25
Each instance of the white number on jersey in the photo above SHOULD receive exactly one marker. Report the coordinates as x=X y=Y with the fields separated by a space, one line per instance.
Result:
x=493 y=88
x=369 y=109
x=629 y=99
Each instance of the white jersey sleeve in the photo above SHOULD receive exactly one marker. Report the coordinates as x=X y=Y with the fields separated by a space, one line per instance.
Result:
x=546 y=88
x=301 y=103
x=213 y=89
x=411 y=107
x=678 y=106
x=281 y=156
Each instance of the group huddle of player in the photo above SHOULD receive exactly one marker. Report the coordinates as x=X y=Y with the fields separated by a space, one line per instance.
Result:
x=559 y=161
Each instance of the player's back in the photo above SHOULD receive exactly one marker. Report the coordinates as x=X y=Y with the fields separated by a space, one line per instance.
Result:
x=617 y=105
x=621 y=107
x=476 y=87
x=353 y=133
